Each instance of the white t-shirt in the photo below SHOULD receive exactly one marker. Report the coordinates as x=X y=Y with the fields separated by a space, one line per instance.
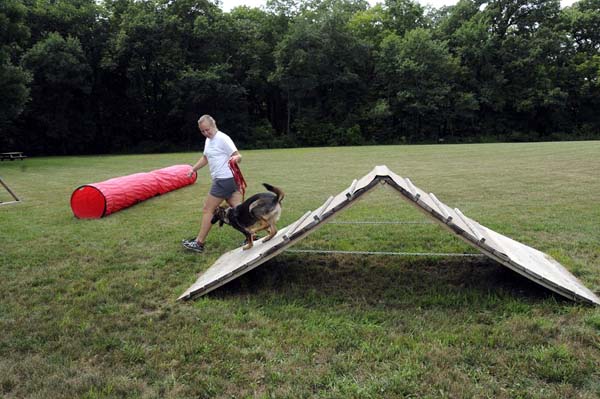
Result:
x=218 y=150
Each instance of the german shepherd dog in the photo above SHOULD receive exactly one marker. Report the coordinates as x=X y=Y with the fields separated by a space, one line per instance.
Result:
x=257 y=213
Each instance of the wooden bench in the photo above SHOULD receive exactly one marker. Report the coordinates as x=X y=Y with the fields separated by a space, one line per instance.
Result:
x=12 y=156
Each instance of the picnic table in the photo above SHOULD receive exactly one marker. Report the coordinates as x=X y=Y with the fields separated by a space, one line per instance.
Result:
x=12 y=155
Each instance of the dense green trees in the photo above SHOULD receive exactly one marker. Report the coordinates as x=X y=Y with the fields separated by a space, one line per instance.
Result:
x=59 y=114
x=14 y=80
x=321 y=69
x=86 y=76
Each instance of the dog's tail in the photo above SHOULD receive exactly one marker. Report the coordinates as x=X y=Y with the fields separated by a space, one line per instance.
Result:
x=278 y=192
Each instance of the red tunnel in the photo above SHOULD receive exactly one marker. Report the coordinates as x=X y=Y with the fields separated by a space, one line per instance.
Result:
x=93 y=201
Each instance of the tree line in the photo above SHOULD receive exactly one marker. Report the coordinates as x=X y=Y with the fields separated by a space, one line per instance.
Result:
x=118 y=76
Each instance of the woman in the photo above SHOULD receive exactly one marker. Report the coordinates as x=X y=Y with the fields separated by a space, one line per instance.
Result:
x=219 y=149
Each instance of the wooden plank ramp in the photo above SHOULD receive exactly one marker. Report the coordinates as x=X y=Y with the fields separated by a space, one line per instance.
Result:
x=527 y=261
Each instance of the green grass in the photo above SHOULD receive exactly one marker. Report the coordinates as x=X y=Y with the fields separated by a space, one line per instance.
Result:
x=88 y=310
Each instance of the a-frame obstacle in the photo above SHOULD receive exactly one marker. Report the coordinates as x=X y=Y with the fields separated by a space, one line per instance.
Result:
x=529 y=262
x=16 y=199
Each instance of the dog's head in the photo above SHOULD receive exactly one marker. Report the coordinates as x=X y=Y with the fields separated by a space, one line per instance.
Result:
x=220 y=215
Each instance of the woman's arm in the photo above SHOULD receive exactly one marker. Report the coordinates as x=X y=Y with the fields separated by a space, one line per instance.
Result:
x=202 y=162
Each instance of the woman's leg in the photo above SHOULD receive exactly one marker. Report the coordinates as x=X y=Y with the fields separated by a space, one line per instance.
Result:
x=235 y=199
x=210 y=204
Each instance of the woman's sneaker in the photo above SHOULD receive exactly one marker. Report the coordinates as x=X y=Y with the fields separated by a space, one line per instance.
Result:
x=193 y=245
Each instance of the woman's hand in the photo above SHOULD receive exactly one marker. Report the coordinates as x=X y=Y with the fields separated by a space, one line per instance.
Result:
x=191 y=172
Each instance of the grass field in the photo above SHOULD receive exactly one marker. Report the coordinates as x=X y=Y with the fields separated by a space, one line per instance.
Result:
x=88 y=310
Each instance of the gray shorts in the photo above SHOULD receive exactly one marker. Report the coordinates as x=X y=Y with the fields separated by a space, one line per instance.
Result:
x=223 y=188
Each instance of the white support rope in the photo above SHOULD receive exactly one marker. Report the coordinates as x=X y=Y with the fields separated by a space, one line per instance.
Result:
x=386 y=253
x=378 y=222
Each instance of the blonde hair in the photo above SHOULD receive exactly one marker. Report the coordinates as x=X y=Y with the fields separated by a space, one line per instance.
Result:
x=209 y=119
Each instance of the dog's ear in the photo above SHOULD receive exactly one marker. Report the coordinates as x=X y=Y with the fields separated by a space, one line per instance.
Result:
x=224 y=215
x=217 y=216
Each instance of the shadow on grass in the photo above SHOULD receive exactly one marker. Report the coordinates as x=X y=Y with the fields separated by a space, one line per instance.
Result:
x=383 y=280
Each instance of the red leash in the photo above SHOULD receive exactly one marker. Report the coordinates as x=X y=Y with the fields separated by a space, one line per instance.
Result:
x=238 y=177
